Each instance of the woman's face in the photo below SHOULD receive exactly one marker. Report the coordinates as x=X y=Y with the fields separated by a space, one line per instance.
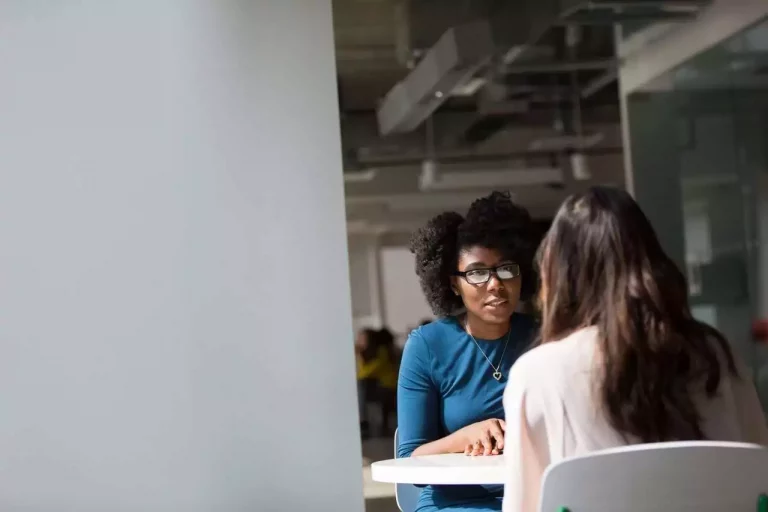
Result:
x=361 y=341
x=495 y=300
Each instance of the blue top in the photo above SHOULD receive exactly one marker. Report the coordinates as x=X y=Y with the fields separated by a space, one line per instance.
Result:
x=446 y=384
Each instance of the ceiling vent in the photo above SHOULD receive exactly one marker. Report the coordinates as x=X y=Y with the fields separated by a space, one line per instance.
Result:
x=608 y=12
x=446 y=67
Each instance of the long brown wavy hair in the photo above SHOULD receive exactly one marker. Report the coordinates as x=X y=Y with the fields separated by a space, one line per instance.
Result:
x=602 y=265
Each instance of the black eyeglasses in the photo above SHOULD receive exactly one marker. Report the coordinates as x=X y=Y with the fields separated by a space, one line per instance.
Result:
x=503 y=272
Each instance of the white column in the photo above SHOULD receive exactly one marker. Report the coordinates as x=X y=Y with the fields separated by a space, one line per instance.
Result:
x=174 y=298
x=376 y=287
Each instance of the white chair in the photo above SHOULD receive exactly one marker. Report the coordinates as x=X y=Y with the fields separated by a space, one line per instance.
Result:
x=665 y=477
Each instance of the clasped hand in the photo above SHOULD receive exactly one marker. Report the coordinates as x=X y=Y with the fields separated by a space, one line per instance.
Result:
x=484 y=437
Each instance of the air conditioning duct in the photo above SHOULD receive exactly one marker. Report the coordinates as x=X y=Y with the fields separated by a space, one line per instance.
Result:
x=515 y=28
x=448 y=65
x=599 y=12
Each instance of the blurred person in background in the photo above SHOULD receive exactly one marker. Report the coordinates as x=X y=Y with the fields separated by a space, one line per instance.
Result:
x=364 y=352
x=473 y=271
x=622 y=360
x=386 y=378
x=376 y=376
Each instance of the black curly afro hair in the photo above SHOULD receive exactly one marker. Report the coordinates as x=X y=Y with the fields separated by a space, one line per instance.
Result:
x=493 y=222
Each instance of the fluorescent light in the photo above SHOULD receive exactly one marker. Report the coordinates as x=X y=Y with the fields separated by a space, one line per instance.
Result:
x=469 y=88
x=580 y=167
x=360 y=176
x=563 y=142
x=491 y=178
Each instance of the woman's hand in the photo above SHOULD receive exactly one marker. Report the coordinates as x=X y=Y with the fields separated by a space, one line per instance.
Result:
x=484 y=438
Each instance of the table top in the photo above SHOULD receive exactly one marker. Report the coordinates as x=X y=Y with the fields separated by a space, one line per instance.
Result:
x=449 y=469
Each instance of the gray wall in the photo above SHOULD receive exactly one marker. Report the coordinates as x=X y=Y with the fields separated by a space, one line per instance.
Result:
x=364 y=310
x=174 y=320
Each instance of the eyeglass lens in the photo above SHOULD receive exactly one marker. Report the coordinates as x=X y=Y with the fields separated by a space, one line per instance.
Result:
x=483 y=275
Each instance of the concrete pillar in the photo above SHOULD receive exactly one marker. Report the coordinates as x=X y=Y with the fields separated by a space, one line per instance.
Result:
x=174 y=302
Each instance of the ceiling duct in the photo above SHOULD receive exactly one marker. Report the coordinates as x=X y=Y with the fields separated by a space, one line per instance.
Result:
x=513 y=28
x=448 y=65
x=446 y=178
x=521 y=27
x=365 y=176
x=601 y=12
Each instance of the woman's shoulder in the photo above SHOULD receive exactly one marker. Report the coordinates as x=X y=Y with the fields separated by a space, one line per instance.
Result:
x=435 y=331
x=555 y=360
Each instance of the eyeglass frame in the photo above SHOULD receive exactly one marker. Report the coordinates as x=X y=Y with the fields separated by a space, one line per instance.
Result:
x=492 y=271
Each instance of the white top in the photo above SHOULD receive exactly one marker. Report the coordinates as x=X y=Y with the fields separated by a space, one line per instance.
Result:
x=449 y=469
x=551 y=414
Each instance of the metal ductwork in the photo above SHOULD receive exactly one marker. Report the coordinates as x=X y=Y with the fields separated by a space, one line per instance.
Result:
x=462 y=51
x=599 y=12
x=456 y=57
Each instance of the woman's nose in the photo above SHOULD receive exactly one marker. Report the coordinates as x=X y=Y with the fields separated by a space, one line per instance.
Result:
x=494 y=283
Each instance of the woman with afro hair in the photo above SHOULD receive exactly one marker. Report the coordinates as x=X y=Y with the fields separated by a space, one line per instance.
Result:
x=474 y=272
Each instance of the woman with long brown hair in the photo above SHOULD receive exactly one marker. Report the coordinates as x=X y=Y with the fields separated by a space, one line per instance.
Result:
x=621 y=359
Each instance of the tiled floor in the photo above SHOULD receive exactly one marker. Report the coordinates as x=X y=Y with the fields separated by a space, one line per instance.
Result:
x=378 y=497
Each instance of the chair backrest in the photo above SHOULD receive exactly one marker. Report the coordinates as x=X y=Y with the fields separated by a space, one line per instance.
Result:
x=670 y=477
x=406 y=495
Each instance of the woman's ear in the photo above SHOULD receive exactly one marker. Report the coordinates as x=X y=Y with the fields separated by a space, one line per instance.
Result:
x=455 y=286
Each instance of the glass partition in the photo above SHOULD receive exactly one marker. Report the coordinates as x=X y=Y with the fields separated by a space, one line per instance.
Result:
x=699 y=146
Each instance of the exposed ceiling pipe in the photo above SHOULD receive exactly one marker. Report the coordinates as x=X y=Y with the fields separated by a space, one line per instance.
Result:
x=578 y=162
x=565 y=142
x=588 y=12
x=562 y=67
x=455 y=59
x=599 y=83
x=414 y=160
x=665 y=5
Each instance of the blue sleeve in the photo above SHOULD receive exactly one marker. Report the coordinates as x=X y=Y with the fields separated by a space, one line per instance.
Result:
x=417 y=399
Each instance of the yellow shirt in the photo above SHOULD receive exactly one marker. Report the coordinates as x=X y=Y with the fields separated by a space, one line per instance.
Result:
x=381 y=368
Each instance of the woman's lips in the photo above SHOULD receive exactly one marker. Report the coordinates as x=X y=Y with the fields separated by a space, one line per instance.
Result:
x=497 y=303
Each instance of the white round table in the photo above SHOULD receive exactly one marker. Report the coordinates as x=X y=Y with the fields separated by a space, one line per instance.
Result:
x=450 y=469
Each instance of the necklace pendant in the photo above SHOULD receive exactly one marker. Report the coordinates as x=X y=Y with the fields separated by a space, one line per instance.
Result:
x=497 y=375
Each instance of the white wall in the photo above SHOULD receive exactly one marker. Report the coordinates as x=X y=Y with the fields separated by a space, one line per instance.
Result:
x=365 y=280
x=385 y=289
x=171 y=314
x=405 y=303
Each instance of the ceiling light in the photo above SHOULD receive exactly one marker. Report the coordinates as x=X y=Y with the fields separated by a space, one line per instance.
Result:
x=490 y=178
x=564 y=142
x=580 y=167
x=428 y=174
x=469 y=88
x=360 y=176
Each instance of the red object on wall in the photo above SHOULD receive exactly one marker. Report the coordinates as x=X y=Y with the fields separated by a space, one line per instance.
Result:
x=760 y=331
